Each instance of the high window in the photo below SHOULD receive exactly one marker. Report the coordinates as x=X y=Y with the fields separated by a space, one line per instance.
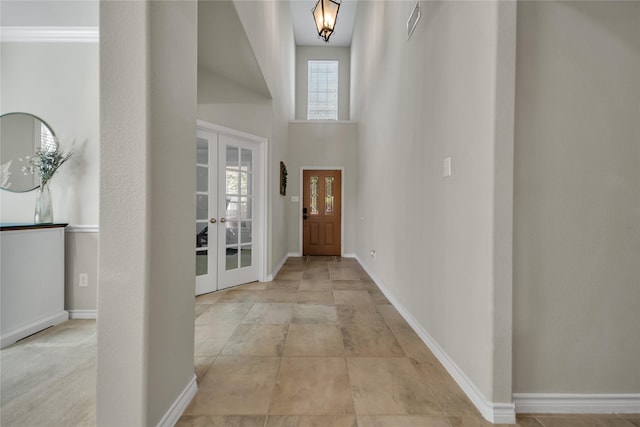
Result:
x=322 y=96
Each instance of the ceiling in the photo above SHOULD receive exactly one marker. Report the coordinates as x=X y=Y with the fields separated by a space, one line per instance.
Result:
x=226 y=56
x=229 y=72
x=304 y=26
x=85 y=13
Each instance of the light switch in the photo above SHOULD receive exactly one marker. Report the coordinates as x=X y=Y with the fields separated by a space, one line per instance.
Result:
x=83 y=281
x=295 y=199
x=446 y=167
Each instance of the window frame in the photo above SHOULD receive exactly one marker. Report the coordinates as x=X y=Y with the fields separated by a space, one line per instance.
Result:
x=328 y=92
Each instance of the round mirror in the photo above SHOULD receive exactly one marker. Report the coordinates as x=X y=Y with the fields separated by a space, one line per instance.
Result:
x=21 y=134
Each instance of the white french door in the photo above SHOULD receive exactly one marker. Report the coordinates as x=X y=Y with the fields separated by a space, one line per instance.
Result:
x=229 y=210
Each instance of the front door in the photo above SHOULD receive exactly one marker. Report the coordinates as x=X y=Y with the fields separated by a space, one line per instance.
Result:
x=321 y=212
x=227 y=207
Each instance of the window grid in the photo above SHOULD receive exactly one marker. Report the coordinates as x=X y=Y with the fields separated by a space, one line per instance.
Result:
x=322 y=93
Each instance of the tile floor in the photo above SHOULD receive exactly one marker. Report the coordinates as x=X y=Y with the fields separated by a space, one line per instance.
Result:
x=318 y=347
x=321 y=346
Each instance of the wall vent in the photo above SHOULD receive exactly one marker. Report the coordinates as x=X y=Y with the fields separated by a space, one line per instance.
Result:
x=413 y=19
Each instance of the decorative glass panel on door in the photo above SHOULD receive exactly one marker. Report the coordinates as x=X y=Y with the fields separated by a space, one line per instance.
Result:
x=202 y=206
x=328 y=195
x=313 y=195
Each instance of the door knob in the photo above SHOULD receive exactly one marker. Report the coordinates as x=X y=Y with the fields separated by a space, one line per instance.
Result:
x=212 y=220
x=223 y=220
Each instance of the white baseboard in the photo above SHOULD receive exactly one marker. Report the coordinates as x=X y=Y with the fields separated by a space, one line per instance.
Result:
x=555 y=403
x=294 y=254
x=82 y=229
x=11 y=337
x=349 y=256
x=174 y=413
x=82 y=314
x=498 y=413
x=277 y=268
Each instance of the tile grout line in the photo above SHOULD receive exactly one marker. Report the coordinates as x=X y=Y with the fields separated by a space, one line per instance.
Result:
x=537 y=420
x=429 y=387
x=625 y=419
x=275 y=383
x=353 y=399
x=234 y=331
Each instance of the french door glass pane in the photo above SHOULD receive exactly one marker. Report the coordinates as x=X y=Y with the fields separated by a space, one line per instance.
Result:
x=202 y=181
x=202 y=236
x=233 y=182
x=245 y=256
x=202 y=206
x=233 y=207
x=245 y=232
x=202 y=263
x=245 y=183
x=233 y=157
x=231 y=259
x=245 y=208
x=247 y=160
x=202 y=152
x=231 y=229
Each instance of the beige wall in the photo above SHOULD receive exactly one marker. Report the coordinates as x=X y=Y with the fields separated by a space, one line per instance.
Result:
x=63 y=13
x=270 y=32
x=81 y=257
x=322 y=145
x=251 y=118
x=148 y=109
x=443 y=93
x=577 y=198
x=308 y=53
x=66 y=97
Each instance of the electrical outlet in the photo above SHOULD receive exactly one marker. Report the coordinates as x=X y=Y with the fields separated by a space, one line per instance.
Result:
x=83 y=280
x=446 y=167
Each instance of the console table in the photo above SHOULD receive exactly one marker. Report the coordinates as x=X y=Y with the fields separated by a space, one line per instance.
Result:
x=31 y=279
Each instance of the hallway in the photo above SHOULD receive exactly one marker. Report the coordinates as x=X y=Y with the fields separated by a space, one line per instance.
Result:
x=318 y=347
x=322 y=346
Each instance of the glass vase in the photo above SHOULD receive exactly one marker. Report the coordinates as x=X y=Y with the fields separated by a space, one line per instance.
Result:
x=44 y=211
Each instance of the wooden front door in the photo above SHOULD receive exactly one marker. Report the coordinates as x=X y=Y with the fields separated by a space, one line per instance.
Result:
x=321 y=212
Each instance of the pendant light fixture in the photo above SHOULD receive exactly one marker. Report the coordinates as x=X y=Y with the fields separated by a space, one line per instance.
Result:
x=325 y=13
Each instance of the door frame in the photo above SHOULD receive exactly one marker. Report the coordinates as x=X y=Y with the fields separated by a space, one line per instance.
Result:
x=301 y=224
x=261 y=202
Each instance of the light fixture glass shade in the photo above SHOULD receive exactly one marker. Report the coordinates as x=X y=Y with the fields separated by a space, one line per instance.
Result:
x=325 y=14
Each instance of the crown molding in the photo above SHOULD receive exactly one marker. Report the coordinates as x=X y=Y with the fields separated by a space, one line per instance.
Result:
x=331 y=122
x=50 y=34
